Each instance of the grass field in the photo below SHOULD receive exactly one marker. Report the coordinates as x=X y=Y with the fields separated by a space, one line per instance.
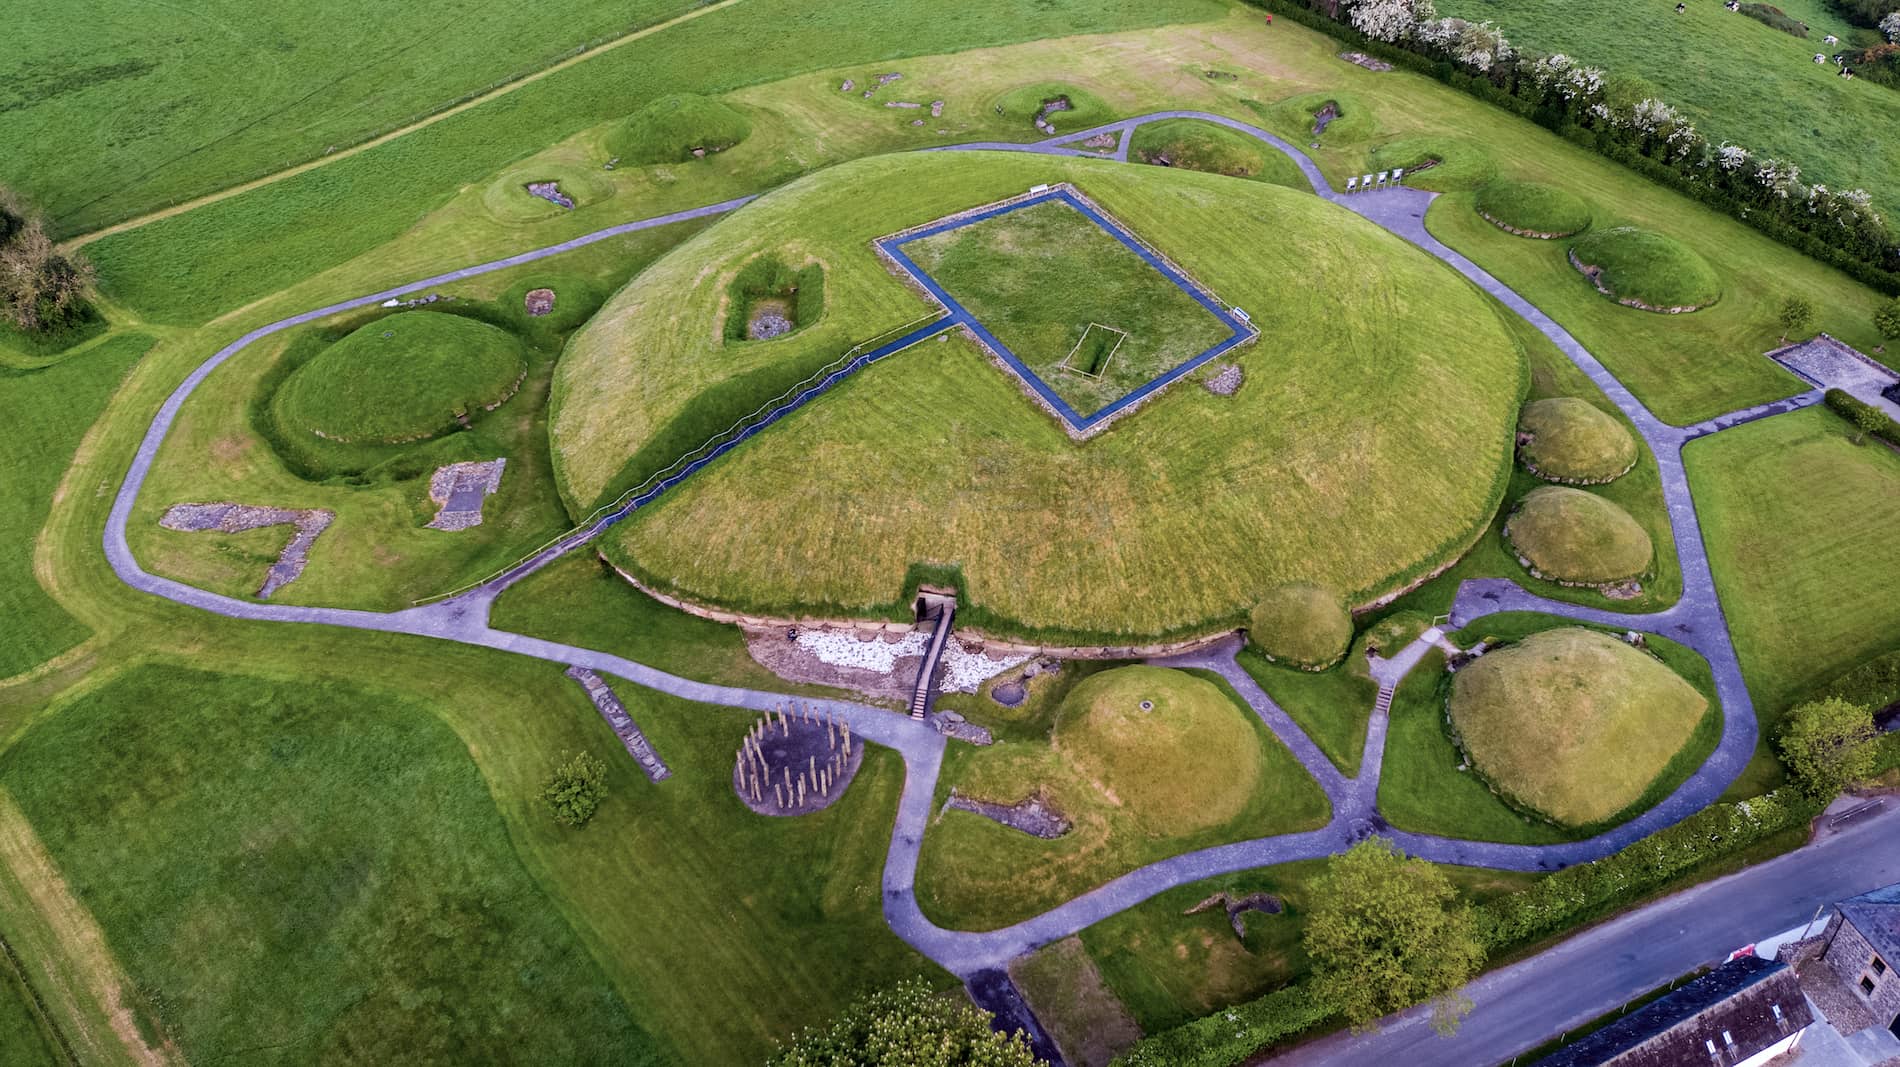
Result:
x=1175 y=519
x=1797 y=519
x=23 y=1040
x=1736 y=78
x=1422 y=788
x=407 y=930
x=1138 y=785
x=1040 y=277
x=1203 y=146
x=1572 y=723
x=60 y=403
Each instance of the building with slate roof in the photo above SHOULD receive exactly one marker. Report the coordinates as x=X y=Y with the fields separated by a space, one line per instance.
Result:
x=1742 y=1014
x=1863 y=945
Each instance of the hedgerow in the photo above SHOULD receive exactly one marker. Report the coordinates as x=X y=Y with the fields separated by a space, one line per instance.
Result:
x=1864 y=416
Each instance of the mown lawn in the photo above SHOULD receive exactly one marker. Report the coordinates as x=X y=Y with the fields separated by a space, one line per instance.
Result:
x=1134 y=804
x=1799 y=522
x=308 y=872
x=1737 y=78
x=23 y=1042
x=1173 y=520
x=1039 y=277
x=58 y=403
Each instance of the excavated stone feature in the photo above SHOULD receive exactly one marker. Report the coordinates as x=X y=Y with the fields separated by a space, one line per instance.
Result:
x=1237 y=906
x=1032 y=815
x=237 y=518
x=796 y=762
x=539 y=302
x=458 y=490
x=624 y=727
x=1226 y=382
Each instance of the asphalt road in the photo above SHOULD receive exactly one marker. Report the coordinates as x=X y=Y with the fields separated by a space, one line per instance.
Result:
x=1521 y=1006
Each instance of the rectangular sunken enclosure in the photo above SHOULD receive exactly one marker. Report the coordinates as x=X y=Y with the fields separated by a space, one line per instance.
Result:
x=1091 y=319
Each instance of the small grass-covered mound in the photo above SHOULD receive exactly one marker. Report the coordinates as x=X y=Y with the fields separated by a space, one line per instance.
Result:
x=403 y=378
x=576 y=298
x=1297 y=117
x=1569 y=535
x=1024 y=103
x=1533 y=209
x=1646 y=270
x=1196 y=145
x=508 y=199
x=1569 y=439
x=770 y=299
x=1572 y=723
x=1169 y=749
x=674 y=127
x=1300 y=624
x=1442 y=164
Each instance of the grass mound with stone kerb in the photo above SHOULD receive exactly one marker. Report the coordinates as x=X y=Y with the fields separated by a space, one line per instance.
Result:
x=1570 y=535
x=1300 y=624
x=1194 y=144
x=1572 y=723
x=674 y=127
x=1172 y=750
x=403 y=378
x=1569 y=439
x=1532 y=209
x=1646 y=270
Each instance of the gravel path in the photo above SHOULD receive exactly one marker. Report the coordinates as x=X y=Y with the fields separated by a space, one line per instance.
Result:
x=1696 y=620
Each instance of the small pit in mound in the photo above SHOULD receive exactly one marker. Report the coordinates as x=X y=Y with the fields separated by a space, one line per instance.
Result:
x=539 y=302
x=1645 y=270
x=769 y=299
x=551 y=192
x=796 y=763
x=1532 y=209
x=1572 y=723
x=1568 y=439
x=403 y=378
x=1575 y=537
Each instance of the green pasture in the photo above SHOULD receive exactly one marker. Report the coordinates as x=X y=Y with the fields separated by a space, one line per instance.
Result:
x=60 y=403
x=1798 y=520
x=24 y=1041
x=1736 y=78
x=1138 y=785
x=1039 y=277
x=1175 y=519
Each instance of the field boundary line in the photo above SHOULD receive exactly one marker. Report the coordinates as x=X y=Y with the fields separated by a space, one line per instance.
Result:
x=93 y=976
x=81 y=240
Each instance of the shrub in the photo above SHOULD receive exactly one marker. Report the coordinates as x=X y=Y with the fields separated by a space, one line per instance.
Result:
x=575 y=789
x=1796 y=316
x=671 y=128
x=1774 y=16
x=1828 y=744
x=1865 y=417
x=907 y=1024
x=1232 y=1034
x=1880 y=64
x=1887 y=319
x=1874 y=683
x=1302 y=624
x=42 y=290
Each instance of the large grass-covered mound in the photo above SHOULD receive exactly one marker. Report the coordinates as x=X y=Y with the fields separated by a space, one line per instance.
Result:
x=1569 y=439
x=1533 y=209
x=1572 y=723
x=1204 y=146
x=402 y=378
x=1175 y=753
x=1571 y=535
x=673 y=127
x=1173 y=520
x=1646 y=270
x=1300 y=624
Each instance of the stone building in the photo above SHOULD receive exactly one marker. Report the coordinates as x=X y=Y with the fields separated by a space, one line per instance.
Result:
x=1863 y=947
x=1742 y=1014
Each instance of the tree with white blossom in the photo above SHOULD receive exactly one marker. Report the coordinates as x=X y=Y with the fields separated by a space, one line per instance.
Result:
x=1890 y=27
x=1391 y=21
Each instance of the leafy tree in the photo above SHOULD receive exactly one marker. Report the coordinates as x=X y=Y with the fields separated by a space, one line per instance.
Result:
x=1386 y=932
x=1827 y=744
x=1796 y=316
x=575 y=789
x=1887 y=319
x=41 y=288
x=908 y=1025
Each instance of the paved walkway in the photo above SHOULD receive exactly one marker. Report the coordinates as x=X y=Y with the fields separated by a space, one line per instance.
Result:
x=1696 y=620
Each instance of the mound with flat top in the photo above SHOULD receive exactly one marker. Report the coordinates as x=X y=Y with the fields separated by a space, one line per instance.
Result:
x=1570 y=535
x=1572 y=723
x=1173 y=520
x=1569 y=439
x=403 y=378
x=1646 y=270
x=1171 y=749
x=1532 y=209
